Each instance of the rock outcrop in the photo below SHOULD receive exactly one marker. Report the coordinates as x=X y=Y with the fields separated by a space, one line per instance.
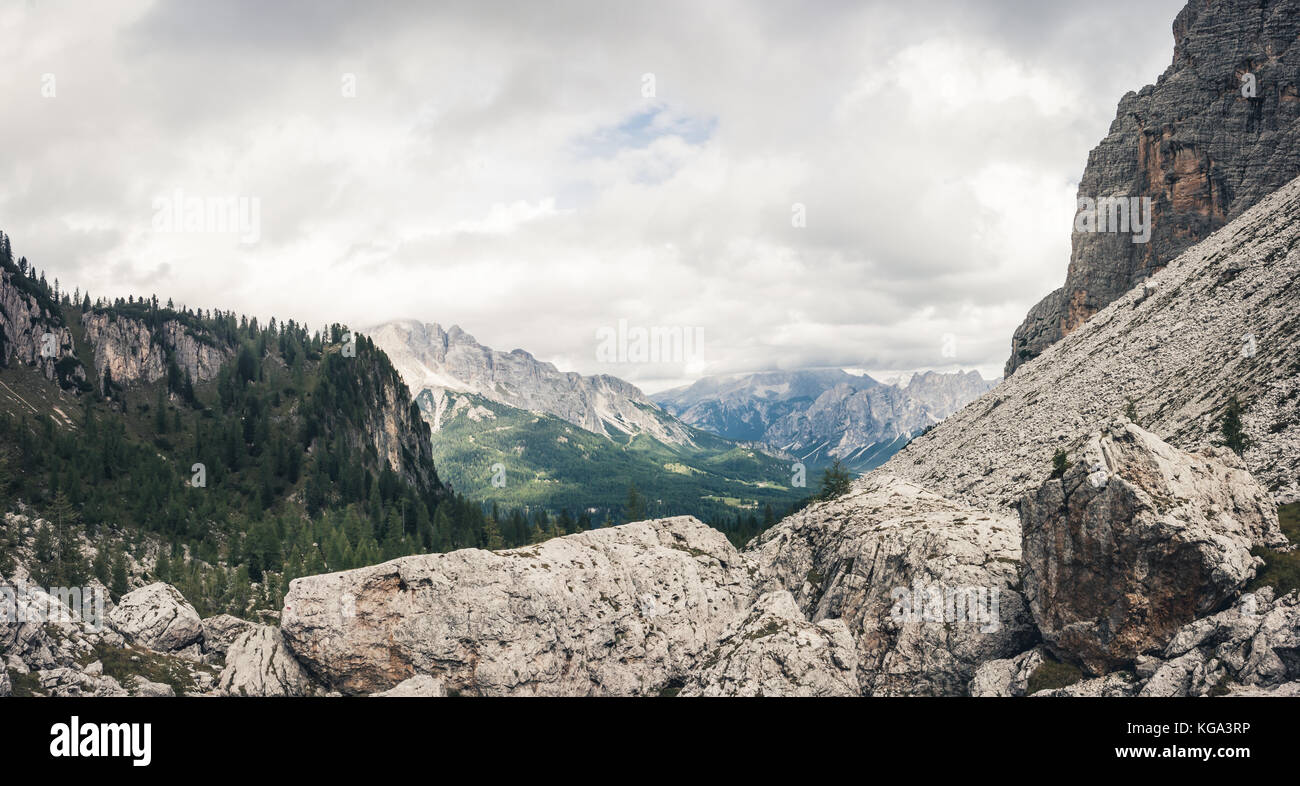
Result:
x=422 y=686
x=1136 y=540
x=775 y=651
x=157 y=617
x=622 y=611
x=220 y=632
x=1250 y=649
x=132 y=352
x=39 y=631
x=1006 y=677
x=33 y=331
x=1200 y=144
x=1219 y=322
x=926 y=587
x=259 y=664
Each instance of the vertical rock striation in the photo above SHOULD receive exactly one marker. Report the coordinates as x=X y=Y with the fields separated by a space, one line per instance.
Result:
x=1193 y=143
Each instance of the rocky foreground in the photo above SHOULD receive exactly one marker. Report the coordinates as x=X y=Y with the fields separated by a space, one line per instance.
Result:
x=1126 y=571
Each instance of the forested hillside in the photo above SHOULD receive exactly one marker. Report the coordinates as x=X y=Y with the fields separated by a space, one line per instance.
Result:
x=254 y=453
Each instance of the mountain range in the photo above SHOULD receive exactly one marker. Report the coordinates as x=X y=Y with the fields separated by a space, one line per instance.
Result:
x=822 y=415
x=718 y=446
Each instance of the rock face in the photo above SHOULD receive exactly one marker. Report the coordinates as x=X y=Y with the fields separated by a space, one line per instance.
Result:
x=422 y=686
x=1247 y=650
x=157 y=617
x=775 y=651
x=39 y=631
x=1136 y=540
x=1006 y=677
x=33 y=331
x=439 y=361
x=259 y=664
x=924 y=586
x=620 y=611
x=1220 y=321
x=1194 y=143
x=132 y=353
x=1256 y=643
x=220 y=632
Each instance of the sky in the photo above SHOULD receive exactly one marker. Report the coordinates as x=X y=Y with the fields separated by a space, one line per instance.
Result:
x=872 y=185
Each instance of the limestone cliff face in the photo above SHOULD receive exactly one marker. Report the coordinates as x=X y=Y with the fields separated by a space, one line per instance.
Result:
x=33 y=332
x=132 y=352
x=393 y=425
x=1195 y=144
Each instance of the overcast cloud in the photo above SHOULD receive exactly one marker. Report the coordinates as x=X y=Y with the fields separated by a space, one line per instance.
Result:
x=500 y=168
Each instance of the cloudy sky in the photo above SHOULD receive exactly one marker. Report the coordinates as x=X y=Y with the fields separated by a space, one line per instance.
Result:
x=535 y=172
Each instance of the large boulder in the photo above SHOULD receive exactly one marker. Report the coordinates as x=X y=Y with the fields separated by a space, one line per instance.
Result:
x=258 y=664
x=1136 y=540
x=925 y=586
x=158 y=617
x=1006 y=677
x=220 y=632
x=775 y=651
x=619 y=611
x=39 y=631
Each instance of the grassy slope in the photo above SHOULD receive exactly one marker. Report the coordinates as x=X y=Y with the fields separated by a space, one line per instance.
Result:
x=553 y=464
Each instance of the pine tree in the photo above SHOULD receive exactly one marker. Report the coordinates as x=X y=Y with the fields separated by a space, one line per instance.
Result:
x=119 y=586
x=836 y=481
x=634 y=510
x=1234 y=434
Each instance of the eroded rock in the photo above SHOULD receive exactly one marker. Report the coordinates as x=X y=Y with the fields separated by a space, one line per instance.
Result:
x=1137 y=540
x=158 y=617
x=259 y=664
x=619 y=611
x=925 y=586
x=775 y=651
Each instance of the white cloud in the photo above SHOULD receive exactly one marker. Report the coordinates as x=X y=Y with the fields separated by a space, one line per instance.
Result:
x=499 y=167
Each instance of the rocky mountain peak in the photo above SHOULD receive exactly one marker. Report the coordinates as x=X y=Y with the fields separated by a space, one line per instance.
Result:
x=1218 y=131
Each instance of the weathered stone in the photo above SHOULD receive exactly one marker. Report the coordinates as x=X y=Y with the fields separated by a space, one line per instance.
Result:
x=888 y=548
x=1135 y=541
x=1195 y=144
x=157 y=617
x=1008 y=676
x=1112 y=685
x=220 y=632
x=421 y=686
x=259 y=664
x=775 y=651
x=6 y=685
x=618 y=611
x=145 y=688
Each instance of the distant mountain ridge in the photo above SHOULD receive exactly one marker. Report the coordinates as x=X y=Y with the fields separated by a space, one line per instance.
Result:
x=437 y=360
x=822 y=415
x=513 y=429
